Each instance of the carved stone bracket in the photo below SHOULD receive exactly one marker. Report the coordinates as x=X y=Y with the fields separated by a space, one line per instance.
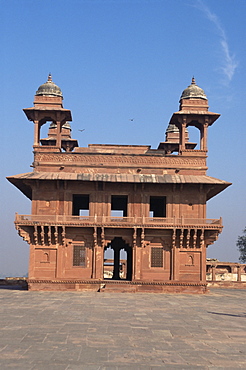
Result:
x=202 y=238
x=181 y=238
x=24 y=234
x=49 y=235
x=103 y=237
x=188 y=238
x=56 y=235
x=35 y=235
x=63 y=235
x=142 y=237
x=95 y=236
x=174 y=238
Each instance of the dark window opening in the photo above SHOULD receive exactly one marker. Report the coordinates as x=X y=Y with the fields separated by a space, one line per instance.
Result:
x=119 y=204
x=80 y=205
x=156 y=257
x=79 y=255
x=157 y=206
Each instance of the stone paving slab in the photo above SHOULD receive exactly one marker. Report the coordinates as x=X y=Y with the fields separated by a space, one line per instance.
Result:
x=118 y=331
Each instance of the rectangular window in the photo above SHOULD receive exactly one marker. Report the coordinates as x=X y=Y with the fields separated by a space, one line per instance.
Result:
x=79 y=255
x=156 y=257
x=119 y=204
x=157 y=206
x=81 y=205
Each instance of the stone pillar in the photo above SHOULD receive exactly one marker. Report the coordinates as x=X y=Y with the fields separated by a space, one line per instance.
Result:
x=175 y=258
x=99 y=251
x=204 y=133
x=93 y=275
x=137 y=263
x=239 y=273
x=213 y=273
x=59 y=261
x=58 y=134
x=182 y=135
x=36 y=133
x=203 y=264
x=31 y=271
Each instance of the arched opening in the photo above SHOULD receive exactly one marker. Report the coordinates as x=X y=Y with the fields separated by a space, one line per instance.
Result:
x=194 y=136
x=117 y=260
x=44 y=130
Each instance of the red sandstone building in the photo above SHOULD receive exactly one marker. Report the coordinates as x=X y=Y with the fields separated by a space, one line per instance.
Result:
x=159 y=195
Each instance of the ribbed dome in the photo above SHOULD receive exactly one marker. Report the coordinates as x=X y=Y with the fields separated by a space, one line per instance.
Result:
x=65 y=125
x=172 y=128
x=193 y=91
x=49 y=88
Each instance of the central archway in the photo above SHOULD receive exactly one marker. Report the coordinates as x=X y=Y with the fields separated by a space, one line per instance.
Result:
x=121 y=269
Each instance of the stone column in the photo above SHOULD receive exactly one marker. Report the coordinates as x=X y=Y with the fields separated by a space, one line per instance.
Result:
x=58 y=134
x=182 y=135
x=137 y=263
x=213 y=273
x=98 y=262
x=239 y=273
x=204 y=134
x=175 y=258
x=203 y=263
x=36 y=133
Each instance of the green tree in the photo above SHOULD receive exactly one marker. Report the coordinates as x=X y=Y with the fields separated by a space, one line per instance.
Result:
x=241 y=244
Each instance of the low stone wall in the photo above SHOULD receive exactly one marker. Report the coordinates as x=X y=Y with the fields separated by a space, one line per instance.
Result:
x=118 y=286
x=14 y=283
x=227 y=284
x=226 y=277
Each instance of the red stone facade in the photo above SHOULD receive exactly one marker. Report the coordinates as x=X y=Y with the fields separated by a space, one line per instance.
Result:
x=149 y=203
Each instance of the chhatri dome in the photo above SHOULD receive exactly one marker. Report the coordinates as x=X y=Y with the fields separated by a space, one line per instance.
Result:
x=49 y=88
x=193 y=91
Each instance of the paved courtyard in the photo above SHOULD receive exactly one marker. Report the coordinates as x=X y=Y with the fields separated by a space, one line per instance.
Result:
x=84 y=330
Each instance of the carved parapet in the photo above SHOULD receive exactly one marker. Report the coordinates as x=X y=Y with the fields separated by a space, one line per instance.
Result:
x=69 y=159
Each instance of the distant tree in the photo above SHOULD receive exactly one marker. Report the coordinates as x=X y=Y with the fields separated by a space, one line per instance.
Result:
x=241 y=244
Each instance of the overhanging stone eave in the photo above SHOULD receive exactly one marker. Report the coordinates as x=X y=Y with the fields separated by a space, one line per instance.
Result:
x=214 y=185
x=175 y=117
x=30 y=112
x=216 y=189
x=21 y=185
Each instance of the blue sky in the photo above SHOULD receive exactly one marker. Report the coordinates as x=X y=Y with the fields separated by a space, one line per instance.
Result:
x=121 y=59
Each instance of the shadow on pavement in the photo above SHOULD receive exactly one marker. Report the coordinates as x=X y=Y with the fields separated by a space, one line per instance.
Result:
x=228 y=314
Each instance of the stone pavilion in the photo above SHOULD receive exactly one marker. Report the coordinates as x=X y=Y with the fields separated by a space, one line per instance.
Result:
x=147 y=206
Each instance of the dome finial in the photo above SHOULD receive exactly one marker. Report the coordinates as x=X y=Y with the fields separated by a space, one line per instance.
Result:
x=193 y=81
x=49 y=78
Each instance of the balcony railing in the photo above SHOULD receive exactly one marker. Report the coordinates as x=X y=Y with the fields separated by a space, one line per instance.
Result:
x=109 y=221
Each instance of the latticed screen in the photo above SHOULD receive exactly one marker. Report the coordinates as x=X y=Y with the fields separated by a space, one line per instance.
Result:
x=156 y=257
x=79 y=255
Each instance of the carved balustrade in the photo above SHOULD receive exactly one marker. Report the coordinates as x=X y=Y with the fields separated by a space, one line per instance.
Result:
x=124 y=222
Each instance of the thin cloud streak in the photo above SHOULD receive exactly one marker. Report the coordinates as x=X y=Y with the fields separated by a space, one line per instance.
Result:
x=230 y=63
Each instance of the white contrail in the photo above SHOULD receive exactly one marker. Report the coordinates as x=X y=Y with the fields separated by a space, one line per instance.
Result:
x=230 y=63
